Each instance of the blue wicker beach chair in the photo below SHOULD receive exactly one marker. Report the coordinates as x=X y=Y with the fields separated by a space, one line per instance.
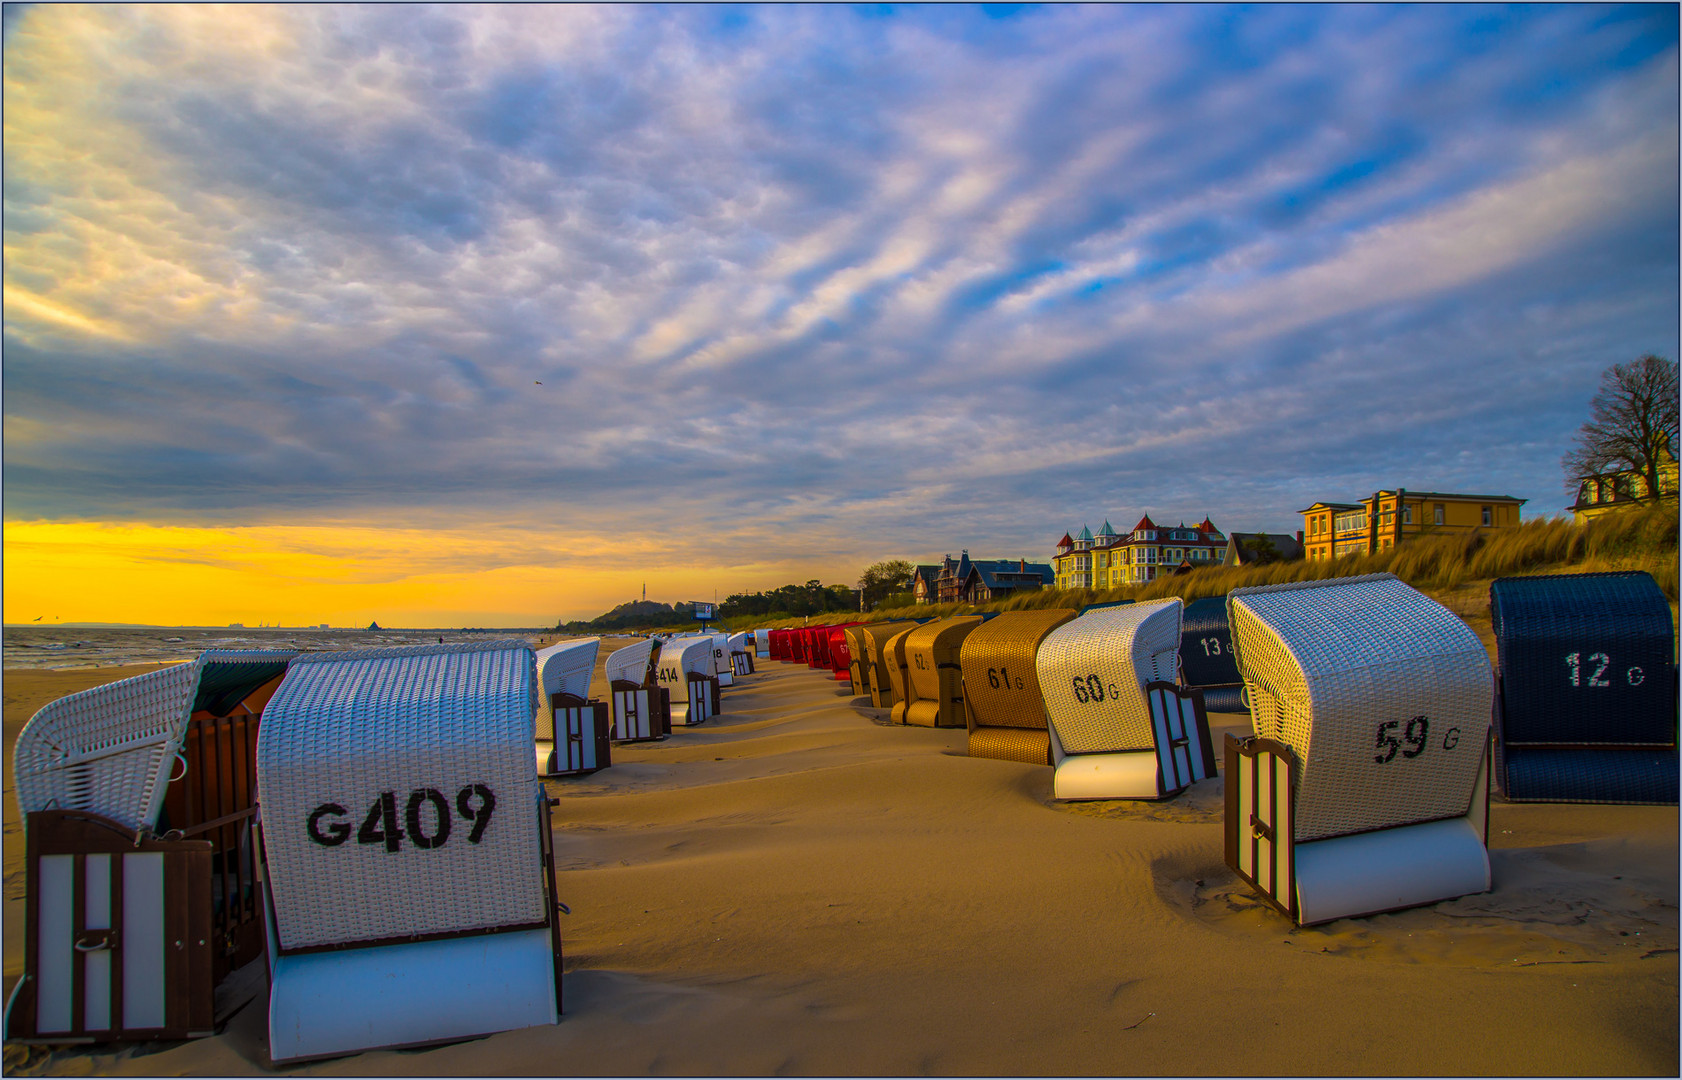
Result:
x=1120 y=726
x=573 y=732
x=1366 y=785
x=406 y=837
x=1206 y=655
x=140 y=885
x=1586 y=701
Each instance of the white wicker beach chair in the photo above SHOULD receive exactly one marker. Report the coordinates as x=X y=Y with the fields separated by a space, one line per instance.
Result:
x=407 y=844
x=111 y=875
x=722 y=669
x=687 y=671
x=641 y=707
x=1366 y=785
x=762 y=644
x=741 y=654
x=1120 y=726
x=573 y=732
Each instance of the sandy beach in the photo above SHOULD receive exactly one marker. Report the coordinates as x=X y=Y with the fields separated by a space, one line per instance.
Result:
x=800 y=888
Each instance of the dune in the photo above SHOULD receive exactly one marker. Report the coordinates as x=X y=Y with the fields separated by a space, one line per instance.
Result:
x=798 y=887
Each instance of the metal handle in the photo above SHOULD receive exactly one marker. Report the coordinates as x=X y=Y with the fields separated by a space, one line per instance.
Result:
x=95 y=940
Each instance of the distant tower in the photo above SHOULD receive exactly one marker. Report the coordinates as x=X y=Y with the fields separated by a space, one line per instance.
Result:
x=645 y=592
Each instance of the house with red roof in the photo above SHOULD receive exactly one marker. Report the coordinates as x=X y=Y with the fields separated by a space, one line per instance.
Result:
x=1110 y=560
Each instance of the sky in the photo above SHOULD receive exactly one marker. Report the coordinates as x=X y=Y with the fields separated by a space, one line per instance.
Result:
x=489 y=316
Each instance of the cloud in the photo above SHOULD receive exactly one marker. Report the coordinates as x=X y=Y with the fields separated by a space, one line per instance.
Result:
x=818 y=281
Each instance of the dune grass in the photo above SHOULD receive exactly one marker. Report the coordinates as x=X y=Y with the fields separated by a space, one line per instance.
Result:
x=1637 y=539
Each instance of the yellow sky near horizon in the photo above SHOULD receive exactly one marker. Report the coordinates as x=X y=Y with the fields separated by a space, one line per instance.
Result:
x=346 y=575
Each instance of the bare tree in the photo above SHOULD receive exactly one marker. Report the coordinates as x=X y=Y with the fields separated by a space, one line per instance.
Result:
x=1633 y=424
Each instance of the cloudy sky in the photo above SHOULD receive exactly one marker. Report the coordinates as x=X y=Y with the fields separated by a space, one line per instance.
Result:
x=487 y=315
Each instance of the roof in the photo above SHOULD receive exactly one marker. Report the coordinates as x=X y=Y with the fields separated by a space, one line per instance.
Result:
x=1411 y=493
x=1207 y=525
x=1144 y=523
x=1011 y=572
x=1331 y=506
x=1066 y=541
x=1284 y=544
x=1085 y=533
x=1106 y=530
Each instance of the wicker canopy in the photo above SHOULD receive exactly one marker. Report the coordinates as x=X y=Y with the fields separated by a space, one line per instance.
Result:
x=1093 y=671
x=1002 y=686
x=1383 y=695
x=934 y=688
x=429 y=750
x=110 y=749
x=634 y=663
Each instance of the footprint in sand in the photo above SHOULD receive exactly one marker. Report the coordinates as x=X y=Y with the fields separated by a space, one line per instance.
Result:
x=1550 y=905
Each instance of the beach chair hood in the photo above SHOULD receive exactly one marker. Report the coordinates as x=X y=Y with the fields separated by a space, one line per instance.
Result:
x=396 y=788
x=634 y=663
x=109 y=750
x=566 y=667
x=1383 y=694
x=1093 y=671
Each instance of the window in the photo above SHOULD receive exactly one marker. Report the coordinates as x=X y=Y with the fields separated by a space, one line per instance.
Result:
x=1439 y=512
x=1486 y=518
x=1407 y=514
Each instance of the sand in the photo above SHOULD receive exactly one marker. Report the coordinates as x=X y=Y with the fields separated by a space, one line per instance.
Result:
x=797 y=887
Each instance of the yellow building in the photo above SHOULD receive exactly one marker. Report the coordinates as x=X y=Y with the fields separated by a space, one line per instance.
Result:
x=1606 y=492
x=1334 y=530
x=1110 y=561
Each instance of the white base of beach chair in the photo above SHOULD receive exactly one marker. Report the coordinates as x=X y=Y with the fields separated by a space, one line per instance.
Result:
x=1341 y=877
x=1389 y=869
x=346 y=1000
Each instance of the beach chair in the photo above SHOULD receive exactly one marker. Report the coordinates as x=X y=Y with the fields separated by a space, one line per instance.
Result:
x=641 y=707
x=934 y=687
x=1120 y=727
x=1365 y=787
x=875 y=658
x=741 y=654
x=687 y=672
x=1586 y=691
x=1206 y=655
x=140 y=884
x=840 y=651
x=899 y=673
x=573 y=732
x=1001 y=688
x=722 y=670
x=858 y=660
x=409 y=875
x=762 y=644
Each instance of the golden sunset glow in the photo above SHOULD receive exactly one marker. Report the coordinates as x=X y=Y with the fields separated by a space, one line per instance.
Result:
x=343 y=576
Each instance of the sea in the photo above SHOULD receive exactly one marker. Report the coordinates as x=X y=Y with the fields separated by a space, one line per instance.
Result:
x=80 y=647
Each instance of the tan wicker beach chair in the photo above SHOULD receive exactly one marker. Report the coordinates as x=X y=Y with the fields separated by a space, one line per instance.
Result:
x=899 y=673
x=934 y=689
x=687 y=671
x=858 y=659
x=407 y=844
x=573 y=732
x=874 y=637
x=1002 y=700
x=1366 y=785
x=138 y=799
x=1119 y=726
